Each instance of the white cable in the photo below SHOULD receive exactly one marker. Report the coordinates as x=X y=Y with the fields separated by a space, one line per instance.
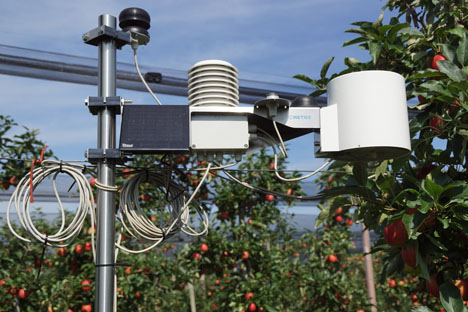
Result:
x=143 y=78
x=20 y=199
x=104 y=187
x=218 y=167
x=135 y=221
x=299 y=178
x=283 y=150
x=270 y=141
x=266 y=191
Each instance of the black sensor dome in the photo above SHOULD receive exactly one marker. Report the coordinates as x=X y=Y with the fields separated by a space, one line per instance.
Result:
x=135 y=20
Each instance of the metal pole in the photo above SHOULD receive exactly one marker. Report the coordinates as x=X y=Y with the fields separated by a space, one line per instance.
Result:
x=106 y=175
x=366 y=243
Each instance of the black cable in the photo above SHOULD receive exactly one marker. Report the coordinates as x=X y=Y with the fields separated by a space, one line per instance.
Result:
x=42 y=258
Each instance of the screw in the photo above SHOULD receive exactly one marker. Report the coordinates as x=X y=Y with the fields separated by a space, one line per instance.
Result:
x=194 y=146
x=246 y=145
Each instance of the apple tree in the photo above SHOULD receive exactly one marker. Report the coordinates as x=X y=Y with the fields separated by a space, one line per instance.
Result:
x=418 y=202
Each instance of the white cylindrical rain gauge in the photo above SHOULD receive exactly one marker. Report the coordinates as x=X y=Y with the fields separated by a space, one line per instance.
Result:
x=213 y=83
x=366 y=117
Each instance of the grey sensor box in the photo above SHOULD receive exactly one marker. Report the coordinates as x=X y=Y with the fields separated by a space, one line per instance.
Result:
x=155 y=129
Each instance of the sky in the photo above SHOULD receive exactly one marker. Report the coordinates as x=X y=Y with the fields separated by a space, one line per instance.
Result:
x=274 y=38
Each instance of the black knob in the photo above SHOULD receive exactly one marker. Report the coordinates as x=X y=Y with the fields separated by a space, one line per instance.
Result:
x=135 y=20
x=304 y=101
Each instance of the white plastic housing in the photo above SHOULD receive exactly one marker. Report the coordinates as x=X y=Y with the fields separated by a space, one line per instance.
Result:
x=366 y=117
x=213 y=83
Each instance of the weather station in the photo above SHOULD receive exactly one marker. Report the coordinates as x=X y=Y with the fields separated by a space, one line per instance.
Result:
x=365 y=119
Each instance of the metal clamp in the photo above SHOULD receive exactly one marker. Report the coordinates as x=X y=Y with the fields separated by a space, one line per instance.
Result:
x=93 y=37
x=113 y=155
x=273 y=103
x=97 y=103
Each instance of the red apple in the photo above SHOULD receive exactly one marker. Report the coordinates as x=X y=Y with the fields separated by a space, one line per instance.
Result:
x=438 y=57
x=269 y=197
x=408 y=254
x=196 y=256
x=85 y=285
x=395 y=234
x=248 y=296
x=432 y=287
x=463 y=286
x=88 y=246
x=204 y=248
x=436 y=123
x=22 y=294
x=61 y=252
x=339 y=218
x=425 y=170
x=86 y=308
x=338 y=210
x=125 y=171
x=92 y=181
x=245 y=255
x=332 y=258
x=252 y=307
x=392 y=283
x=78 y=249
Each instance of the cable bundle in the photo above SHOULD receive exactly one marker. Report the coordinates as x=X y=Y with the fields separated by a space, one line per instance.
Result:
x=21 y=199
x=171 y=198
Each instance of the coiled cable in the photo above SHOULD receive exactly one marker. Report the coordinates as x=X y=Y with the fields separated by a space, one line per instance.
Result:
x=171 y=198
x=67 y=231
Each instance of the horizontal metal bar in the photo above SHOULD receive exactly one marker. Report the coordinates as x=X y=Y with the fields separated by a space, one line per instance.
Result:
x=68 y=68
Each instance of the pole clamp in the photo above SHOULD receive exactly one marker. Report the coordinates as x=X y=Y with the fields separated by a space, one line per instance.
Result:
x=101 y=33
x=112 y=155
x=98 y=103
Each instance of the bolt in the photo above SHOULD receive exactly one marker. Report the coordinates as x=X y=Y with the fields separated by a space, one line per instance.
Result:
x=246 y=145
x=194 y=146
x=272 y=96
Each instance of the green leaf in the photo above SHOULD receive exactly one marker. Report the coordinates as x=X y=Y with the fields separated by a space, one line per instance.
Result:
x=360 y=172
x=411 y=32
x=354 y=41
x=325 y=67
x=451 y=70
x=374 y=50
x=393 y=265
x=351 y=61
x=436 y=86
x=423 y=265
x=432 y=189
x=409 y=224
x=395 y=30
x=458 y=31
x=448 y=52
x=462 y=51
x=450 y=298
x=304 y=78
x=426 y=73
